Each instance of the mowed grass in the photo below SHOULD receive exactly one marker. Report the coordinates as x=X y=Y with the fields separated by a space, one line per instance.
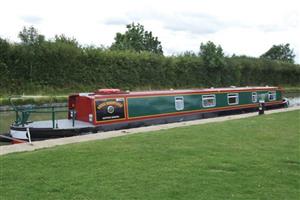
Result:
x=253 y=158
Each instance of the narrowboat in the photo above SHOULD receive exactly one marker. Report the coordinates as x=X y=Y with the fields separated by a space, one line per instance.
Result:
x=111 y=109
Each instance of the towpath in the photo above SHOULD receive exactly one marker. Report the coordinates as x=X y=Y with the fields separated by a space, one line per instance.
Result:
x=110 y=134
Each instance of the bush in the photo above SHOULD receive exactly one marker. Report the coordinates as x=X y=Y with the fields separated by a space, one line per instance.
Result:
x=53 y=66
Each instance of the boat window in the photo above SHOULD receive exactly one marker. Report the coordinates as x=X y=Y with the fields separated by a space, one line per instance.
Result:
x=233 y=98
x=262 y=97
x=208 y=101
x=254 y=97
x=179 y=103
x=272 y=95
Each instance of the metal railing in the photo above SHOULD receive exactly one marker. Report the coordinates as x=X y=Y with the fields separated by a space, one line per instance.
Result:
x=23 y=113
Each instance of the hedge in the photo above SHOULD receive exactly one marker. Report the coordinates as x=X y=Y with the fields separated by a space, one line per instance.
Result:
x=59 y=66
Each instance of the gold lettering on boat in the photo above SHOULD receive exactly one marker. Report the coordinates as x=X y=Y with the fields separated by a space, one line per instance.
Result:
x=109 y=103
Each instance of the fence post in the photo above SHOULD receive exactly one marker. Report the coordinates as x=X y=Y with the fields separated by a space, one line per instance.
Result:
x=53 y=118
x=73 y=117
x=22 y=120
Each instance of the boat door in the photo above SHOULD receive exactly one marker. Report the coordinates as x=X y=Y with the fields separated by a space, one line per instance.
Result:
x=71 y=104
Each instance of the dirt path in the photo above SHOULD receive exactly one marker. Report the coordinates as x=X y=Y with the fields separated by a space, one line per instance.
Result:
x=110 y=134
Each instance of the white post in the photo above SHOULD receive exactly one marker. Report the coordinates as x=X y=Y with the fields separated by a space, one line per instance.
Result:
x=28 y=134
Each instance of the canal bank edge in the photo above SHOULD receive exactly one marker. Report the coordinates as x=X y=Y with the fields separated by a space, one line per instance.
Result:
x=111 y=134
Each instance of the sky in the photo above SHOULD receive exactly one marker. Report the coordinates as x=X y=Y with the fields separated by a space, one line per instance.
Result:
x=241 y=27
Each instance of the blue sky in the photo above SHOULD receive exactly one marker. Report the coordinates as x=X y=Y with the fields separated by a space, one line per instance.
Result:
x=240 y=27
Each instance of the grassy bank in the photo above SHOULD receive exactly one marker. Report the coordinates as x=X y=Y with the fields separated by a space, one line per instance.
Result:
x=35 y=100
x=290 y=89
x=254 y=158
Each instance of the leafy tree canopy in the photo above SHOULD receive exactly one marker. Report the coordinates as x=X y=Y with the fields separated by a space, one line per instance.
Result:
x=137 y=39
x=4 y=47
x=189 y=54
x=281 y=52
x=211 y=54
x=64 y=39
x=30 y=36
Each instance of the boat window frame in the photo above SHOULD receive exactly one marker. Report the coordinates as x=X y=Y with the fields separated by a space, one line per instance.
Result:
x=272 y=93
x=207 y=97
x=229 y=95
x=254 y=94
x=175 y=101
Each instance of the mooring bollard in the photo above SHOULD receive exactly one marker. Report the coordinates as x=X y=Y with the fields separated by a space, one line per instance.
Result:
x=261 y=108
x=286 y=102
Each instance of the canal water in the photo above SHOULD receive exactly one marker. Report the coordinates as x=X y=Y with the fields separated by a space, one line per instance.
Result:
x=8 y=117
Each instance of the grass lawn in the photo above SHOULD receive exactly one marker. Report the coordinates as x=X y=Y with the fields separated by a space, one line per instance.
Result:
x=253 y=158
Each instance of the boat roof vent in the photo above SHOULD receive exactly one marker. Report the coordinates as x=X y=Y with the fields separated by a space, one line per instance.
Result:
x=110 y=91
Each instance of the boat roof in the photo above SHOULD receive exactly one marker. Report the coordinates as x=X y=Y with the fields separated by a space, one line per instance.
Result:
x=171 y=92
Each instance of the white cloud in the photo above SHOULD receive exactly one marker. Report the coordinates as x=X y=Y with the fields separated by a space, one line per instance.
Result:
x=31 y=19
x=193 y=23
x=240 y=27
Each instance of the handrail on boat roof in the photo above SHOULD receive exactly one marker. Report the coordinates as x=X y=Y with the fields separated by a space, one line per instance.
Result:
x=22 y=114
x=11 y=102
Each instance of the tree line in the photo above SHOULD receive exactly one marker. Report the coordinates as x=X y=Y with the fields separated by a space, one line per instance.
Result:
x=37 y=64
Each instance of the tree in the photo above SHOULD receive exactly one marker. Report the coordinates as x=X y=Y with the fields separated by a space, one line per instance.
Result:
x=280 y=52
x=213 y=58
x=31 y=42
x=211 y=54
x=137 y=39
x=66 y=40
x=30 y=36
x=189 y=54
x=4 y=49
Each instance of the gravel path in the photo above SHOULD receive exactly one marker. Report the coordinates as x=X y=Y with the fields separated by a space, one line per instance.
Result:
x=110 y=134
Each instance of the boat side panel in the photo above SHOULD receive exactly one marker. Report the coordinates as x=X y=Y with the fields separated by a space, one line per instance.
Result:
x=266 y=92
x=278 y=95
x=161 y=105
x=156 y=105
